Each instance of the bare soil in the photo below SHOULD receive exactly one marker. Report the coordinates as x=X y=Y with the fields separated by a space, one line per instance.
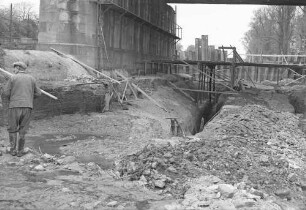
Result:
x=81 y=158
x=96 y=140
x=250 y=156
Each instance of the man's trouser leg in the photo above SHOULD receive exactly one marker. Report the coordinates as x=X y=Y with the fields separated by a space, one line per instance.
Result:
x=13 y=143
x=19 y=120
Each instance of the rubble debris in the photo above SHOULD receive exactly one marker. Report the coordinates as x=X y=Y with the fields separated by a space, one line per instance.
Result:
x=66 y=160
x=39 y=168
x=112 y=204
x=251 y=144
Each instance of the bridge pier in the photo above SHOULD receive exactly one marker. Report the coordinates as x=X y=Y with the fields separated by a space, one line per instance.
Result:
x=69 y=26
x=109 y=34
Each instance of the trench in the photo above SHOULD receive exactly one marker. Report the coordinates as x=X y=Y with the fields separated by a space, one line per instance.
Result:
x=298 y=101
x=89 y=98
x=207 y=111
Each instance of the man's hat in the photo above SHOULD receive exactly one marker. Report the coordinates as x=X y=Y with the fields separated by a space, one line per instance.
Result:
x=21 y=64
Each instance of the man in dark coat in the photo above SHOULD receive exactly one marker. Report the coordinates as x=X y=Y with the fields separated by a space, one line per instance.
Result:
x=20 y=90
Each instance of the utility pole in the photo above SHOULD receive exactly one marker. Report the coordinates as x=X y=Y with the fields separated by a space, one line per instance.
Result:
x=233 y=69
x=28 y=26
x=233 y=65
x=11 y=24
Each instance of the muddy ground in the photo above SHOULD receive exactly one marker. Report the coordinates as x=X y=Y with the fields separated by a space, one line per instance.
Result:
x=76 y=161
x=93 y=139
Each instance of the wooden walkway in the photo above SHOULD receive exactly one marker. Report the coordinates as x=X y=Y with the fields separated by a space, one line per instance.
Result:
x=228 y=74
x=222 y=63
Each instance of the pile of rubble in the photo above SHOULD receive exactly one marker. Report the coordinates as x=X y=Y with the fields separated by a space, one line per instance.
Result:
x=209 y=192
x=250 y=144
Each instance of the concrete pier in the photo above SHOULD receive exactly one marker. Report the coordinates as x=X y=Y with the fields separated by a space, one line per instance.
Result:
x=68 y=26
x=109 y=34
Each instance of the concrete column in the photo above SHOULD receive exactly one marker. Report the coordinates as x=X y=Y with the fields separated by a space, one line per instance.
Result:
x=204 y=47
x=69 y=26
x=197 y=49
x=211 y=52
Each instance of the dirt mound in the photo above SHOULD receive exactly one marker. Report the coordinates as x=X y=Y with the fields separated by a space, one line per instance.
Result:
x=252 y=144
x=45 y=66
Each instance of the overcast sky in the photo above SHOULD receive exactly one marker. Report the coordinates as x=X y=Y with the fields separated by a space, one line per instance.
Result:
x=6 y=3
x=224 y=24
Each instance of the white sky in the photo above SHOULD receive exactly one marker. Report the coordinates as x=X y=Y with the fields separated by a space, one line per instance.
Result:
x=6 y=3
x=224 y=24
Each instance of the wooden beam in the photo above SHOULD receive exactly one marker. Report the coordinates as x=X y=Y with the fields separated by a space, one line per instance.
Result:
x=85 y=66
x=151 y=99
x=208 y=76
x=42 y=91
x=128 y=82
x=207 y=91
x=222 y=63
x=261 y=2
x=185 y=94
x=140 y=90
x=275 y=56
x=295 y=80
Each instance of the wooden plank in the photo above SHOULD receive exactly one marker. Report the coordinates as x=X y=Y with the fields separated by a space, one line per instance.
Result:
x=123 y=94
x=136 y=87
x=295 y=80
x=129 y=84
x=184 y=93
x=209 y=76
x=85 y=66
x=42 y=91
x=222 y=63
x=207 y=91
x=151 y=99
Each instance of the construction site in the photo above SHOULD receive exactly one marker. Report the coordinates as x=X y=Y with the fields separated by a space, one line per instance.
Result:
x=123 y=123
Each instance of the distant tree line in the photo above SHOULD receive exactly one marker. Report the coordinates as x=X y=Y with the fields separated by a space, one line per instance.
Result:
x=277 y=30
x=22 y=22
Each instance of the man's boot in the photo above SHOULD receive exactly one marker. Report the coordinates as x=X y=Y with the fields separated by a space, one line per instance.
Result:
x=20 y=146
x=13 y=139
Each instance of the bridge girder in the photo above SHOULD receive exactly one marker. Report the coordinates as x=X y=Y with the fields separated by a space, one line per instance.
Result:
x=262 y=2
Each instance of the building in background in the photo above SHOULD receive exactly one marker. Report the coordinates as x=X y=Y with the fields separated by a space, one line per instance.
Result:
x=204 y=52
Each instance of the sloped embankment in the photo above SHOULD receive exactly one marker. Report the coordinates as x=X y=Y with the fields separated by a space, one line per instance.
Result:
x=57 y=75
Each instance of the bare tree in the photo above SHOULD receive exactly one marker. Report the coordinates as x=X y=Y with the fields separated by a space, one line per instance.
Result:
x=285 y=16
x=271 y=30
x=260 y=38
x=300 y=30
x=23 y=11
x=179 y=50
x=24 y=23
x=190 y=48
x=190 y=52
